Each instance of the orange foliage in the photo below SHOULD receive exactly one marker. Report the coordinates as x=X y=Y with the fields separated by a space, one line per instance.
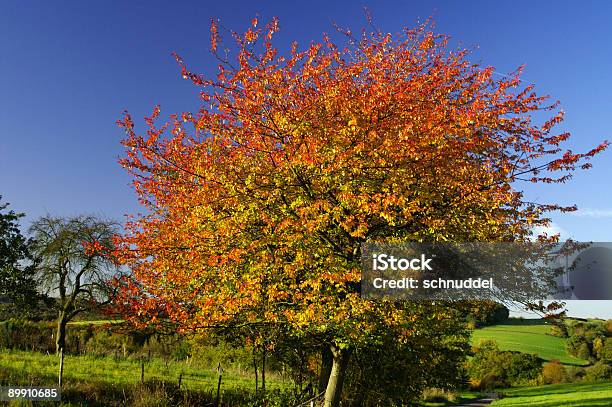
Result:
x=258 y=202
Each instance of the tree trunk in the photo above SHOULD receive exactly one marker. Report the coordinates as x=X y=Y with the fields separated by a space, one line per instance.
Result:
x=327 y=359
x=60 y=334
x=333 y=392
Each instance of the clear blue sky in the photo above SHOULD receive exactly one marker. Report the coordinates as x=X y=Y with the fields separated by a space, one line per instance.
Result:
x=68 y=70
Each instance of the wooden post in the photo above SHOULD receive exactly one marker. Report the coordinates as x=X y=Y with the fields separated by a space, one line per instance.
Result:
x=142 y=371
x=61 y=367
x=180 y=379
x=263 y=369
x=255 y=368
x=218 y=400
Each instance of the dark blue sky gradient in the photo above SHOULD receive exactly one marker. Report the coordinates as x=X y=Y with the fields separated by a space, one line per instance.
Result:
x=68 y=70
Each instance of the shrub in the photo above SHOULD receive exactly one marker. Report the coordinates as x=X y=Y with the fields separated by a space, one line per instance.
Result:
x=604 y=353
x=436 y=395
x=92 y=339
x=181 y=350
x=584 y=351
x=471 y=323
x=395 y=373
x=597 y=347
x=574 y=344
x=590 y=340
x=594 y=330
x=599 y=371
x=105 y=343
x=491 y=367
x=27 y=335
x=209 y=352
x=608 y=327
x=554 y=373
x=559 y=329
x=492 y=381
x=576 y=328
x=575 y=373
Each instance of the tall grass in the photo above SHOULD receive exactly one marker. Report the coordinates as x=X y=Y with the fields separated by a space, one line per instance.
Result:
x=109 y=381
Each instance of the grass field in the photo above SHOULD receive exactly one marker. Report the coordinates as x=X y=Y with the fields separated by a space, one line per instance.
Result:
x=114 y=382
x=20 y=367
x=528 y=336
x=91 y=379
x=576 y=394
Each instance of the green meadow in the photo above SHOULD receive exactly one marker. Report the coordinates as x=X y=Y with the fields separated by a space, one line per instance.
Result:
x=34 y=367
x=528 y=336
x=570 y=394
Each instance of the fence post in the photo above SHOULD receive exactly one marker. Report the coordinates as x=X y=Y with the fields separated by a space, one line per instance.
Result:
x=218 y=400
x=142 y=371
x=61 y=367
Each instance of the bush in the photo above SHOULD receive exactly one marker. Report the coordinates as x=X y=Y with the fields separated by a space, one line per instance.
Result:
x=588 y=330
x=574 y=373
x=595 y=329
x=599 y=371
x=490 y=367
x=27 y=335
x=209 y=352
x=590 y=341
x=576 y=328
x=604 y=352
x=584 y=351
x=608 y=327
x=91 y=339
x=559 y=329
x=394 y=372
x=106 y=343
x=491 y=381
x=436 y=395
x=554 y=373
x=573 y=346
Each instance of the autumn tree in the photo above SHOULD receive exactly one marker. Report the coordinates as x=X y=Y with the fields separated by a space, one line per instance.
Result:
x=258 y=203
x=73 y=264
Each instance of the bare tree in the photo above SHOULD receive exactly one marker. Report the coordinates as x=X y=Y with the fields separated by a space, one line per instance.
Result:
x=73 y=265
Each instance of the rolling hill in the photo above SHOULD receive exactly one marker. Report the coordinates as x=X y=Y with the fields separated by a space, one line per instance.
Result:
x=528 y=336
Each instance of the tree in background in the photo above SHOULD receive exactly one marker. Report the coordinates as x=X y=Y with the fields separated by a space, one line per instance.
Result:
x=17 y=283
x=259 y=202
x=72 y=264
x=483 y=312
